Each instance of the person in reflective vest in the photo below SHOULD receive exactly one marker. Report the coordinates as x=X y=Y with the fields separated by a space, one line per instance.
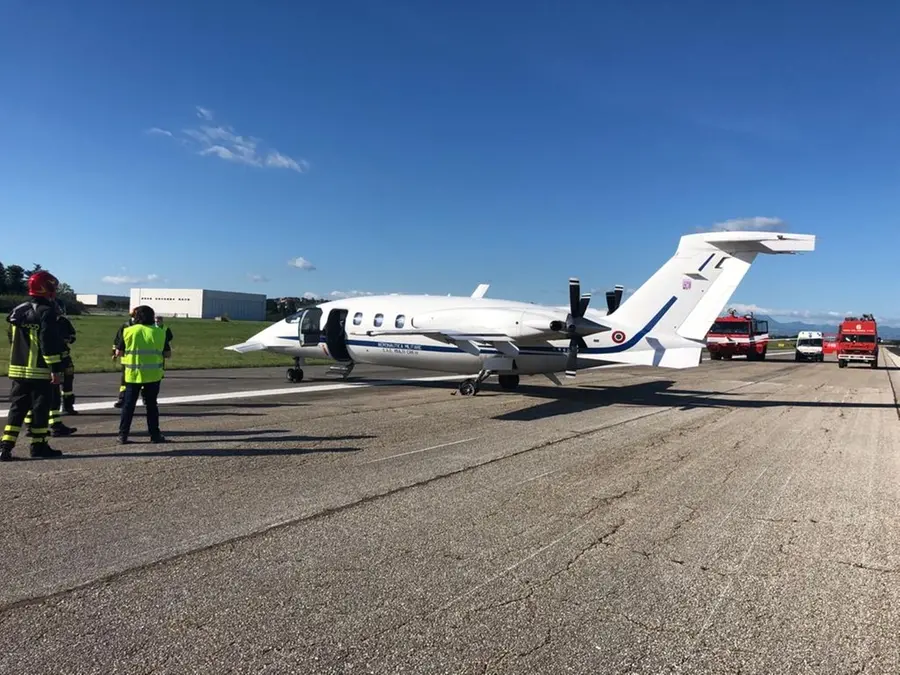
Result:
x=141 y=349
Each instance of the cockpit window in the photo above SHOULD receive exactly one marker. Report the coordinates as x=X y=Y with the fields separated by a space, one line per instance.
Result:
x=295 y=317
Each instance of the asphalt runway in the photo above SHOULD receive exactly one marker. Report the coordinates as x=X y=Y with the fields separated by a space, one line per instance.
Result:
x=736 y=517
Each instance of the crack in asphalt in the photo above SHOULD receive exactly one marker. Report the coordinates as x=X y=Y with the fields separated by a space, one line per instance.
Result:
x=324 y=513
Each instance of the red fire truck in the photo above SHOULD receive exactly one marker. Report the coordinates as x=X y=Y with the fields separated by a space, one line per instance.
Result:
x=857 y=341
x=732 y=335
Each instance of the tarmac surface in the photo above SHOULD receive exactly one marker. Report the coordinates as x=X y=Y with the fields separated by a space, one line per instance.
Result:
x=736 y=517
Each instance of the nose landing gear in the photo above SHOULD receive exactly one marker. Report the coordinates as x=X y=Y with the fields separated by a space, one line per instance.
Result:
x=295 y=374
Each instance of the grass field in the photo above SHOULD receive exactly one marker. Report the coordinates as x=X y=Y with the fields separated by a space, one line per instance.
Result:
x=196 y=343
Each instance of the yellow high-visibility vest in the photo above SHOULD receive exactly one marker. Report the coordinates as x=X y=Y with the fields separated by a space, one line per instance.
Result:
x=143 y=357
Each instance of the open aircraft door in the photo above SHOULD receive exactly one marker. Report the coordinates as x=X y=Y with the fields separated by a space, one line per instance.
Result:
x=309 y=328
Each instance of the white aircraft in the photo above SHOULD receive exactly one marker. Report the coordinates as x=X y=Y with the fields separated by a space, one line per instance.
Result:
x=664 y=323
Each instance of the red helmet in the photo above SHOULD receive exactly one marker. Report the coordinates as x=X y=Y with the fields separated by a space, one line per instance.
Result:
x=43 y=284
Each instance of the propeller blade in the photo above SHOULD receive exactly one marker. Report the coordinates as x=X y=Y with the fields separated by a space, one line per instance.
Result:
x=574 y=295
x=583 y=304
x=572 y=360
x=614 y=299
x=575 y=344
x=610 y=302
x=620 y=289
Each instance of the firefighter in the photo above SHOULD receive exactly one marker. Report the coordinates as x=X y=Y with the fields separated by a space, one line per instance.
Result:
x=67 y=334
x=142 y=348
x=68 y=385
x=35 y=366
x=116 y=339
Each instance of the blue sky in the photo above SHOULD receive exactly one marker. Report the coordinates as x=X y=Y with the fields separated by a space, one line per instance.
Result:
x=427 y=147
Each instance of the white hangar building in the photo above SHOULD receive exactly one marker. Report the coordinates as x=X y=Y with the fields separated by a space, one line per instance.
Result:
x=199 y=303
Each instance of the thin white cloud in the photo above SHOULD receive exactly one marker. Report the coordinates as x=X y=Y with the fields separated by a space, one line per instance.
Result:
x=309 y=295
x=257 y=278
x=122 y=279
x=795 y=314
x=757 y=223
x=301 y=264
x=221 y=141
x=340 y=295
x=279 y=161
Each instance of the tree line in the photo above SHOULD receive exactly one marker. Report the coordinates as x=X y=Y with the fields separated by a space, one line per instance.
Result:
x=14 y=288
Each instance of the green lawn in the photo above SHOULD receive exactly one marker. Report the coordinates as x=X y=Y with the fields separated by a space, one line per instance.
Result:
x=196 y=343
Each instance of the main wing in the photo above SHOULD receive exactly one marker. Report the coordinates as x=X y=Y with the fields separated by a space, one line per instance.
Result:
x=245 y=347
x=466 y=341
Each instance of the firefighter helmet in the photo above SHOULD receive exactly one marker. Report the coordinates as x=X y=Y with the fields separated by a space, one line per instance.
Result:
x=42 y=284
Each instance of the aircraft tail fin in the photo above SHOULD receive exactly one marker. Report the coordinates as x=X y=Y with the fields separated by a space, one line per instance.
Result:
x=666 y=320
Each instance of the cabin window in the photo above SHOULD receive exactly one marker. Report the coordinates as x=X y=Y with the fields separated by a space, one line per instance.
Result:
x=357 y=318
x=401 y=320
x=378 y=319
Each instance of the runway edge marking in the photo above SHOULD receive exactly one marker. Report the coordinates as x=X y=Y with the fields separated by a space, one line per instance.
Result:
x=254 y=393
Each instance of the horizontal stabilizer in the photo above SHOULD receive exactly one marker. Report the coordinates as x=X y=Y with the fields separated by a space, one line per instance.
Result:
x=756 y=242
x=245 y=347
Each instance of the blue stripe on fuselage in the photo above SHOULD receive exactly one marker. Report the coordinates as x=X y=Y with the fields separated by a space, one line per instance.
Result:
x=532 y=350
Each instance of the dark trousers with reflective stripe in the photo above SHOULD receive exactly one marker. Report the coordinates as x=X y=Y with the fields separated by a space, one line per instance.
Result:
x=68 y=383
x=132 y=391
x=25 y=395
x=55 y=400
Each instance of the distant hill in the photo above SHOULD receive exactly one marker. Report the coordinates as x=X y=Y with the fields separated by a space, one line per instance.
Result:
x=791 y=328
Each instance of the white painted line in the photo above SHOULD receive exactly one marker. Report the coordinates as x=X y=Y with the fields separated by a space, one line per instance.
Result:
x=415 y=452
x=195 y=398
x=309 y=389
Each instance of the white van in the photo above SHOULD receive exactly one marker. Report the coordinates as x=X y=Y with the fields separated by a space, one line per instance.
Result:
x=809 y=346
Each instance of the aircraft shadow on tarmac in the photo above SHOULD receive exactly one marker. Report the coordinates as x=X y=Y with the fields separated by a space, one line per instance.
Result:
x=228 y=436
x=657 y=394
x=237 y=435
x=210 y=452
x=168 y=411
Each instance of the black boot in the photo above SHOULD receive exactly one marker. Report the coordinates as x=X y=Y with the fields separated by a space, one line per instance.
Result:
x=60 y=429
x=69 y=405
x=6 y=449
x=44 y=451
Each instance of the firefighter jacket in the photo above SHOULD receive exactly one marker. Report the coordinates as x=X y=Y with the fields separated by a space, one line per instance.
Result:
x=118 y=338
x=142 y=350
x=36 y=345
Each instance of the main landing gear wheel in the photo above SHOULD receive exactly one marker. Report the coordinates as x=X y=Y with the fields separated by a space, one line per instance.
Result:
x=508 y=382
x=470 y=386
